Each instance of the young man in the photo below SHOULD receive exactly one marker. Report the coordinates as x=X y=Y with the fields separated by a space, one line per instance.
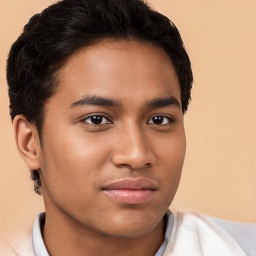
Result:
x=98 y=90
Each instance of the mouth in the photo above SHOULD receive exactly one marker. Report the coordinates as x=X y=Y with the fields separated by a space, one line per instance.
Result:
x=131 y=191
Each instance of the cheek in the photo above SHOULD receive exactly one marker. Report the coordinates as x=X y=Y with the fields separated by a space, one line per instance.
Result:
x=172 y=147
x=171 y=158
x=72 y=163
x=73 y=150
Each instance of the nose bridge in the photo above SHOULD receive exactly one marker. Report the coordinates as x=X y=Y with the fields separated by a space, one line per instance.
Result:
x=133 y=147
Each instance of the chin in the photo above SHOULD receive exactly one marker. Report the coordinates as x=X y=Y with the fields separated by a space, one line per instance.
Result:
x=131 y=226
x=129 y=232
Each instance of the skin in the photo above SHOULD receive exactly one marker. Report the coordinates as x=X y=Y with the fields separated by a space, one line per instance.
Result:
x=77 y=158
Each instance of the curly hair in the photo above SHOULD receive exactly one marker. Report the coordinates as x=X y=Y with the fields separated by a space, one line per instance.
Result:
x=52 y=36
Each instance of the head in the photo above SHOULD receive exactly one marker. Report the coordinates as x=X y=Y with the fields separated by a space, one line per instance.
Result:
x=97 y=91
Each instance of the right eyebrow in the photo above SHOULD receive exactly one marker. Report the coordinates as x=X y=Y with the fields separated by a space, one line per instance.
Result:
x=95 y=101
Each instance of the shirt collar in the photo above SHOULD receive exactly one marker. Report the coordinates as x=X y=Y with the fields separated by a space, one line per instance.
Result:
x=38 y=242
x=40 y=249
x=169 y=224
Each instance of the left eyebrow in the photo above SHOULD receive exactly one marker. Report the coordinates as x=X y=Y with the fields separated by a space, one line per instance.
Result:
x=159 y=102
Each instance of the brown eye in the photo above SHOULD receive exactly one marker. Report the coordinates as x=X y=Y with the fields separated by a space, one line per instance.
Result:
x=96 y=120
x=160 y=120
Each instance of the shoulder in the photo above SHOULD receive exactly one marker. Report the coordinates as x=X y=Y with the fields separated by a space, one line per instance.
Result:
x=6 y=248
x=197 y=234
x=22 y=244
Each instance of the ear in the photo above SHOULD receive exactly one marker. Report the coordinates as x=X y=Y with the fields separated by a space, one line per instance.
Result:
x=27 y=141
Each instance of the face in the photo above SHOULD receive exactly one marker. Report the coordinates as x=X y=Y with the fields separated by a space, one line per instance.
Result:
x=113 y=139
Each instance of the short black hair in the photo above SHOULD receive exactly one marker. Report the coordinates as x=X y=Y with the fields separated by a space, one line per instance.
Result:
x=52 y=36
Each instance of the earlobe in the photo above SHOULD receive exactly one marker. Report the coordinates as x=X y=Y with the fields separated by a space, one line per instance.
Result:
x=27 y=141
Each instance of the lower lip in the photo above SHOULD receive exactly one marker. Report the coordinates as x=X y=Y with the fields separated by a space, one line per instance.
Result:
x=130 y=196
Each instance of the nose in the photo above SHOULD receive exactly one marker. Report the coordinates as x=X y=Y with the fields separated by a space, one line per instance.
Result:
x=133 y=149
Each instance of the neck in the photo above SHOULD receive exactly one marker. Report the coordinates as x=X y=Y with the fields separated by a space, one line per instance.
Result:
x=63 y=236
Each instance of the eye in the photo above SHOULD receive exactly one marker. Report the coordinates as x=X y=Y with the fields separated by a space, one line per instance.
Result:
x=160 y=120
x=96 y=120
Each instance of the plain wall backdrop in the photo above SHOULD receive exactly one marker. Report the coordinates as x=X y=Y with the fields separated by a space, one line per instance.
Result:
x=219 y=175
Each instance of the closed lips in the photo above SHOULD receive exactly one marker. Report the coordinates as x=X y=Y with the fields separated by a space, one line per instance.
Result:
x=130 y=191
x=131 y=184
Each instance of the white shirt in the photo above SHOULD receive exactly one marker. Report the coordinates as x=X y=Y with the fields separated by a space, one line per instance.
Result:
x=40 y=249
x=188 y=234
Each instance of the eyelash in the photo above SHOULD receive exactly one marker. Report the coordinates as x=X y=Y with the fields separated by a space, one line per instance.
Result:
x=107 y=121
x=168 y=120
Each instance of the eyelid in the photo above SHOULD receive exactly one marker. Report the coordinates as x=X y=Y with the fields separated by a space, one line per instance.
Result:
x=170 y=118
x=103 y=115
x=106 y=116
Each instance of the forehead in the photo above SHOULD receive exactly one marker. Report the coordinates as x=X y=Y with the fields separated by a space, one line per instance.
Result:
x=119 y=69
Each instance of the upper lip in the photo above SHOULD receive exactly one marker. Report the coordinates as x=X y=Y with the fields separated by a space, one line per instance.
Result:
x=131 y=184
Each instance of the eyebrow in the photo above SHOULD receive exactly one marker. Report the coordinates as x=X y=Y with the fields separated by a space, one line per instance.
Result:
x=95 y=101
x=159 y=102
x=108 y=102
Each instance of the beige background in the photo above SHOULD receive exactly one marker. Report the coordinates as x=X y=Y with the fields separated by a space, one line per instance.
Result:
x=219 y=176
